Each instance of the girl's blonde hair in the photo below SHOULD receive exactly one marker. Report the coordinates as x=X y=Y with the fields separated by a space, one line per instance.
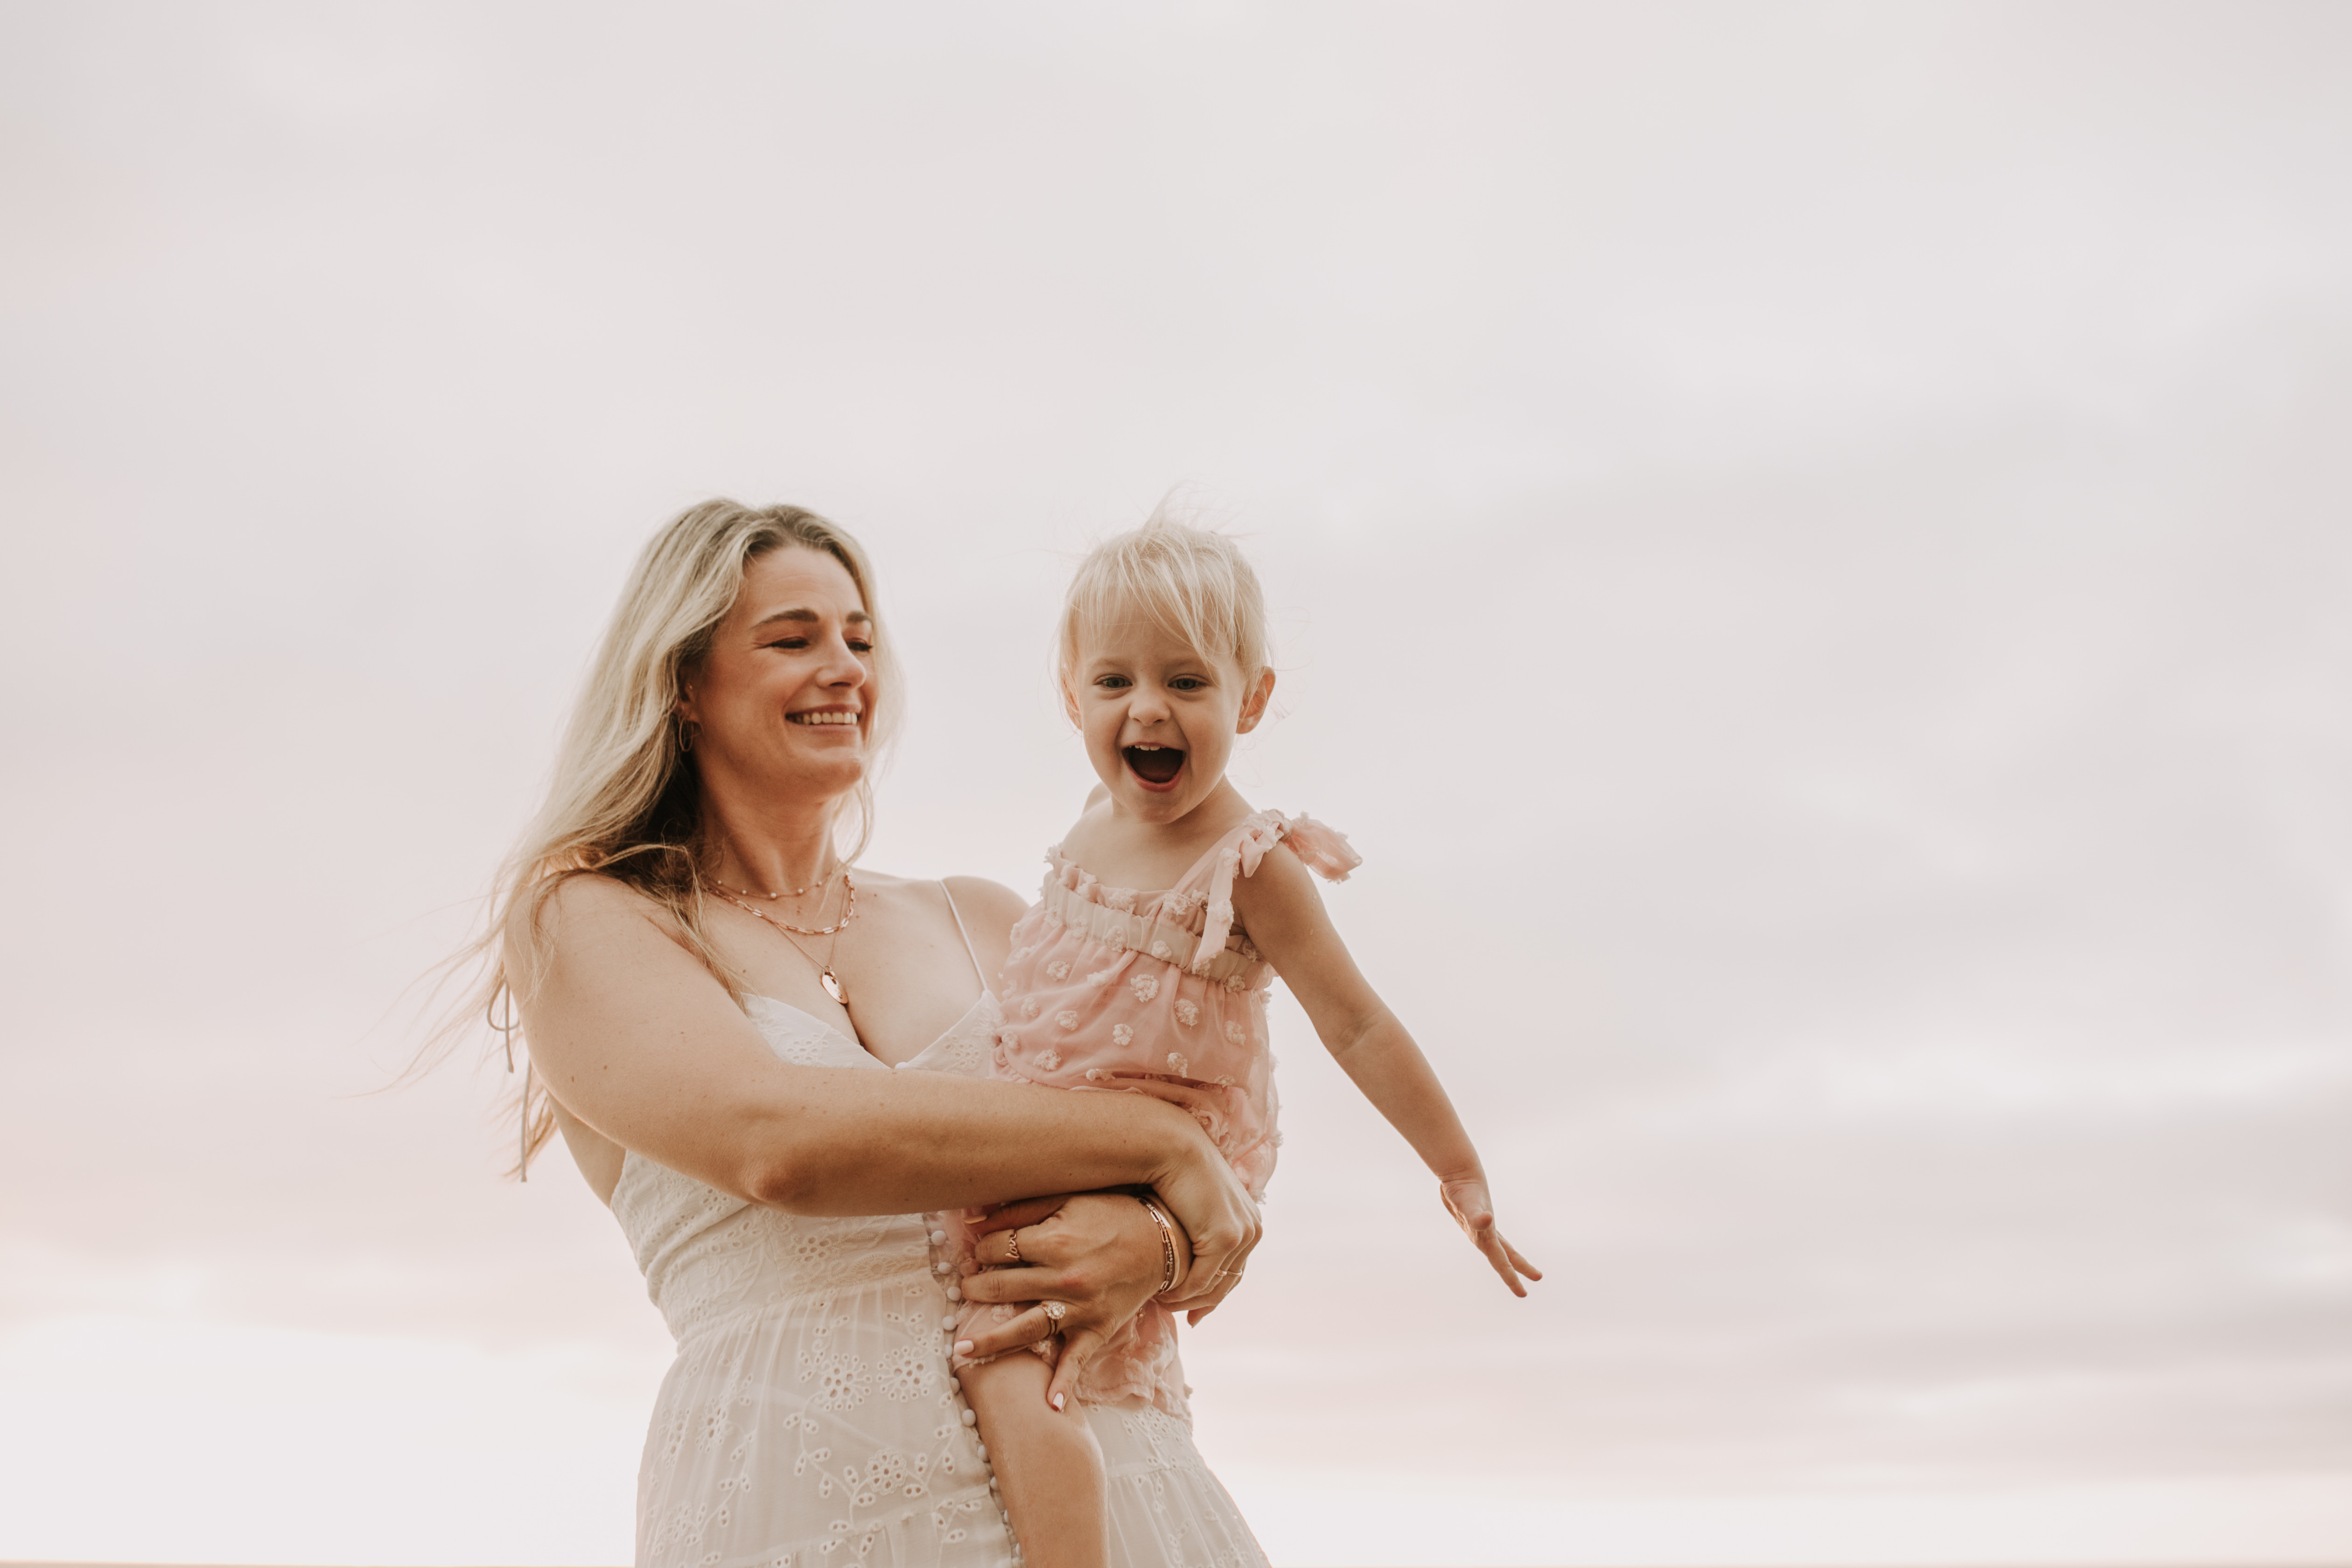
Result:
x=625 y=798
x=1192 y=583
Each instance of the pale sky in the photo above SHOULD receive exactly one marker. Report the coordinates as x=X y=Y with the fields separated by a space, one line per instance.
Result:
x=1809 y=547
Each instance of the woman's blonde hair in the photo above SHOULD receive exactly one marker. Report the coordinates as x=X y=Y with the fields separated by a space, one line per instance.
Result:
x=1192 y=583
x=625 y=798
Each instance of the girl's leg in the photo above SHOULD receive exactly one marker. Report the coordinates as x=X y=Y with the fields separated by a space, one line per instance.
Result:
x=1048 y=1468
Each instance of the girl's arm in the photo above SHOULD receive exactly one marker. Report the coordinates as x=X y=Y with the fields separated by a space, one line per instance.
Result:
x=1284 y=914
x=634 y=1037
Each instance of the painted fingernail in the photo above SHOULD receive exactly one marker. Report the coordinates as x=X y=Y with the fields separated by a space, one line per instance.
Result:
x=1057 y=1402
x=963 y=1347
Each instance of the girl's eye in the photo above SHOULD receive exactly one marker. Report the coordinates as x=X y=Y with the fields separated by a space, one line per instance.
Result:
x=1187 y=683
x=1112 y=682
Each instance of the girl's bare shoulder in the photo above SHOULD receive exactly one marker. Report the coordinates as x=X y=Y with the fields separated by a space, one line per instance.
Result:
x=1089 y=835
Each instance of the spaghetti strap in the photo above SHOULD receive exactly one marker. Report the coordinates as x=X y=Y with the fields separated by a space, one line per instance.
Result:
x=964 y=933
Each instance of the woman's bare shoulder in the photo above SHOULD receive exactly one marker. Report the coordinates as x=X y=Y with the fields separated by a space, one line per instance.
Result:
x=566 y=899
x=982 y=900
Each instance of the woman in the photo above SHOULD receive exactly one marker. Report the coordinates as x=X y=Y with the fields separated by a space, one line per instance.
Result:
x=706 y=989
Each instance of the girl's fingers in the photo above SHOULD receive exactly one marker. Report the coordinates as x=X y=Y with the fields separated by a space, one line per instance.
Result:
x=1474 y=1211
x=1506 y=1261
x=1495 y=1250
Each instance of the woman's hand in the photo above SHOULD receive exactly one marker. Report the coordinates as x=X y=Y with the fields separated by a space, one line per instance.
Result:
x=1099 y=1254
x=1208 y=1203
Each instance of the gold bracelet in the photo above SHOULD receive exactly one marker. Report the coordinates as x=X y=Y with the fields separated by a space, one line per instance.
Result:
x=1167 y=1244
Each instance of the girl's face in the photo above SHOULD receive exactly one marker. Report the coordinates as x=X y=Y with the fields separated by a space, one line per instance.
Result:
x=1159 y=717
x=782 y=699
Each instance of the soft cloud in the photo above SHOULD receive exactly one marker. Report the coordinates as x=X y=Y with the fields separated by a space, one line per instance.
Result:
x=1806 y=552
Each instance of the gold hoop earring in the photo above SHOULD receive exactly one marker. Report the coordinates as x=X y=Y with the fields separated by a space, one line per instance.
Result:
x=685 y=735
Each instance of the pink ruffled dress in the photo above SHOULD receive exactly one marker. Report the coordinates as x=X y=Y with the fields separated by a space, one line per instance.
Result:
x=1153 y=993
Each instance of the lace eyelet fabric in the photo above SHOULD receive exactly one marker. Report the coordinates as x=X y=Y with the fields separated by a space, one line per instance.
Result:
x=810 y=1419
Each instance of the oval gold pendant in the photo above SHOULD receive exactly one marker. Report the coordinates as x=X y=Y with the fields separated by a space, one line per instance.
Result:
x=832 y=986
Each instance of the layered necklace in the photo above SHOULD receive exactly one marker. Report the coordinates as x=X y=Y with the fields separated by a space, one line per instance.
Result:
x=785 y=929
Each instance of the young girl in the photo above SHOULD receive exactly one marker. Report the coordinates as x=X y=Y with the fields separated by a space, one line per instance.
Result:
x=1146 y=964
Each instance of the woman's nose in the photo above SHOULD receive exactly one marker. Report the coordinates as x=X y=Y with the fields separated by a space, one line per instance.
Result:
x=843 y=668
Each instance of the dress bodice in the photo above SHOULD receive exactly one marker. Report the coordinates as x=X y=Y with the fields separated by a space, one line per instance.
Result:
x=707 y=1254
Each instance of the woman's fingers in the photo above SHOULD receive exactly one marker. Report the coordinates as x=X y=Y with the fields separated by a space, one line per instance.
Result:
x=1098 y=1253
x=1015 y=1333
x=1206 y=1286
x=1009 y=1285
x=1078 y=1348
x=1208 y=1201
x=1001 y=1235
x=999 y=1248
x=1013 y=1217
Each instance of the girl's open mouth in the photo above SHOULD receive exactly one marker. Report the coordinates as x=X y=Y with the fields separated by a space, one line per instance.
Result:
x=1156 y=765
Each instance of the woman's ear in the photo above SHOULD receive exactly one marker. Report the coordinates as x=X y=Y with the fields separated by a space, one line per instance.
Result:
x=1254 y=705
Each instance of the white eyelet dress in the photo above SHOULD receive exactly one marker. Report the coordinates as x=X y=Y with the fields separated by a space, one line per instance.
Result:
x=809 y=1420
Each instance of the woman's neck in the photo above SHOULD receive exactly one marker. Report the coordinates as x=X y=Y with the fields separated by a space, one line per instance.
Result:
x=772 y=850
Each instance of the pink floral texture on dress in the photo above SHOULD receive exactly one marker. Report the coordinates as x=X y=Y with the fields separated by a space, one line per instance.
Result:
x=1154 y=992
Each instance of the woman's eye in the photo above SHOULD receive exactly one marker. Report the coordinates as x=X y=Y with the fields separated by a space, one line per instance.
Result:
x=857 y=646
x=790 y=643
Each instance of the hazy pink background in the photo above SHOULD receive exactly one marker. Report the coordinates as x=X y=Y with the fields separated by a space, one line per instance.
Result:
x=1812 y=558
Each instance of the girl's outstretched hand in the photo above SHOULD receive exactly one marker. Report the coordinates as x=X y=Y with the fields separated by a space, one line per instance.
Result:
x=1474 y=1211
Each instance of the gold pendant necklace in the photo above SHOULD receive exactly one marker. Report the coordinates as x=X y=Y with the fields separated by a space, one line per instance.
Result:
x=824 y=975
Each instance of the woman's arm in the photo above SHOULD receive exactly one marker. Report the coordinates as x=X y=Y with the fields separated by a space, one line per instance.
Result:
x=631 y=1036
x=1284 y=914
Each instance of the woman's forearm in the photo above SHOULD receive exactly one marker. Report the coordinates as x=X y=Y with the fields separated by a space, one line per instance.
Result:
x=630 y=1032
x=631 y=1036
x=838 y=1140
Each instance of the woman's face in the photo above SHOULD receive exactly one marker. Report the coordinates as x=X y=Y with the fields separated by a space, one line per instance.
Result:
x=782 y=700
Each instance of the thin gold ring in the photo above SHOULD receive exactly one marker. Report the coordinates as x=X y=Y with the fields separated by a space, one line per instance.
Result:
x=1013 y=1240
